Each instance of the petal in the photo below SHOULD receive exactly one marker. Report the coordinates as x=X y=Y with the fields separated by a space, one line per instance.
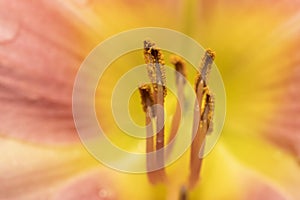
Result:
x=267 y=161
x=284 y=129
x=94 y=185
x=40 y=52
x=263 y=191
x=258 y=56
x=29 y=172
x=233 y=178
x=49 y=49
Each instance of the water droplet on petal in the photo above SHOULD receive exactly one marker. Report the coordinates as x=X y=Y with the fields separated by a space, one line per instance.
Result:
x=9 y=25
x=104 y=194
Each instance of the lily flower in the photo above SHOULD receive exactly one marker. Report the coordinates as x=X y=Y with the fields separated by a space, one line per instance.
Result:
x=42 y=45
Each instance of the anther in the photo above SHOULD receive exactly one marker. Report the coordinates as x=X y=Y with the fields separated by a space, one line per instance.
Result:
x=205 y=67
x=155 y=65
x=180 y=68
x=147 y=98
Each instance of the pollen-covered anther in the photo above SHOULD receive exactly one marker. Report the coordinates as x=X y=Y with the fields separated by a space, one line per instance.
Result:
x=206 y=65
x=155 y=65
x=146 y=96
x=207 y=110
x=204 y=102
x=211 y=108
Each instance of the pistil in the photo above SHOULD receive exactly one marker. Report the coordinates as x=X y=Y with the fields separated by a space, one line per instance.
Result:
x=180 y=83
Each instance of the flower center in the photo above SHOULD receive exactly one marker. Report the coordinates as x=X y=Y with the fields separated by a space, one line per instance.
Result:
x=154 y=94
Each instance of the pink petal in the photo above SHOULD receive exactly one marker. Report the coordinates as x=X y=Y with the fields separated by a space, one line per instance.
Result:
x=39 y=55
x=284 y=128
x=95 y=185
x=260 y=190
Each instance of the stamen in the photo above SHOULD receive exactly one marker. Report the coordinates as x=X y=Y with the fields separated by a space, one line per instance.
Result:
x=155 y=65
x=195 y=162
x=147 y=103
x=147 y=98
x=205 y=66
x=203 y=115
x=180 y=83
x=210 y=107
x=156 y=72
x=154 y=94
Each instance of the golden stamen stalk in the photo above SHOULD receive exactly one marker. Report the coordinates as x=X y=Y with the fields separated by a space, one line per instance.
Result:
x=202 y=117
x=160 y=139
x=180 y=83
x=195 y=162
x=156 y=72
x=147 y=103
